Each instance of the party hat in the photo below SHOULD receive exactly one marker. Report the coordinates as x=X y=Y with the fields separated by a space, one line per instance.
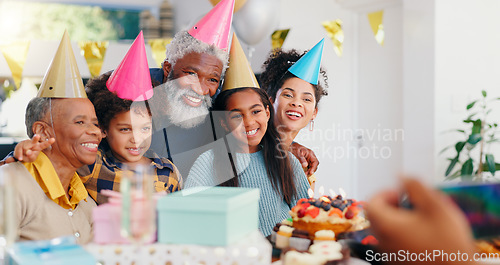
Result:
x=214 y=27
x=131 y=79
x=62 y=79
x=307 y=67
x=239 y=73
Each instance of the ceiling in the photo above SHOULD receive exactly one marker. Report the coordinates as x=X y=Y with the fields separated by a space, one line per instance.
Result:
x=121 y=4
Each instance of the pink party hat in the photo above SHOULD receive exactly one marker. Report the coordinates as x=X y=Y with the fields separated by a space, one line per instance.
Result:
x=214 y=27
x=131 y=79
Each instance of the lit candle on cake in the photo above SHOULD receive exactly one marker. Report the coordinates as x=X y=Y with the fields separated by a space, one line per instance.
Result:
x=321 y=191
x=310 y=192
x=342 y=193
x=332 y=193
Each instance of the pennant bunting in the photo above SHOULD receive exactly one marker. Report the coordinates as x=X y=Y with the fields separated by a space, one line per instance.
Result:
x=334 y=31
x=94 y=52
x=159 y=47
x=278 y=38
x=15 y=54
x=375 y=19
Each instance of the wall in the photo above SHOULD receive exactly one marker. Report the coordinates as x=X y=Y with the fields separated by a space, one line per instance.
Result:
x=380 y=119
x=336 y=111
x=418 y=88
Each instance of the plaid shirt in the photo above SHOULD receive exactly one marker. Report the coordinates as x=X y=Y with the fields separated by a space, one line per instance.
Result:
x=106 y=173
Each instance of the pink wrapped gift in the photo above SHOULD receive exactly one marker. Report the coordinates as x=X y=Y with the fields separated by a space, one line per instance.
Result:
x=107 y=222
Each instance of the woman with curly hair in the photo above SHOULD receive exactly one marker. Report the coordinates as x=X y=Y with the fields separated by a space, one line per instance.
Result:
x=295 y=93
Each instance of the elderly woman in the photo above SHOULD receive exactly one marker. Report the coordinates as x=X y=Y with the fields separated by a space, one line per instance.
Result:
x=51 y=200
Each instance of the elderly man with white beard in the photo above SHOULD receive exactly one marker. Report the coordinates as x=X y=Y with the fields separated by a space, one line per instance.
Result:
x=191 y=73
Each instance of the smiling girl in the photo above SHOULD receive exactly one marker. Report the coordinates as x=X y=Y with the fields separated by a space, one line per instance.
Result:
x=246 y=117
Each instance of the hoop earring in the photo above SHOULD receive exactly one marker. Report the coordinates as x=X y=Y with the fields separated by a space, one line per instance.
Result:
x=311 y=125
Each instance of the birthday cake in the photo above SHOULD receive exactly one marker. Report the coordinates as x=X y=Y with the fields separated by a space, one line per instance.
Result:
x=325 y=219
x=328 y=213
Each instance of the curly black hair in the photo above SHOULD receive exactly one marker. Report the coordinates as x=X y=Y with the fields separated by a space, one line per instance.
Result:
x=107 y=104
x=276 y=73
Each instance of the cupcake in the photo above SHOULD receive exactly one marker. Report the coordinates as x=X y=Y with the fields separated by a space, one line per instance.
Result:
x=283 y=236
x=273 y=233
x=300 y=240
x=324 y=235
x=301 y=258
x=328 y=250
x=286 y=222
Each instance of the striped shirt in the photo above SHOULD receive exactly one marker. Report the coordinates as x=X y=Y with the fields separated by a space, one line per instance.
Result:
x=252 y=173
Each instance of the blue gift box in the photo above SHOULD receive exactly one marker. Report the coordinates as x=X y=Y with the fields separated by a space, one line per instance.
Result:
x=215 y=216
x=58 y=251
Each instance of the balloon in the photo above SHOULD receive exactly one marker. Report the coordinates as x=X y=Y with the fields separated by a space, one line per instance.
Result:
x=256 y=20
x=237 y=4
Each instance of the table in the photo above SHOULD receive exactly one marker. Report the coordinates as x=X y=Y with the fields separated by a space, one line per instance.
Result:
x=253 y=249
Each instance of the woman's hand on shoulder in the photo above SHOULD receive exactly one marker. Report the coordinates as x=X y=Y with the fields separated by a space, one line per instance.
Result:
x=306 y=157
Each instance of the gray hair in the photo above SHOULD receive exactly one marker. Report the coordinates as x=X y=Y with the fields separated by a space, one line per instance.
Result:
x=183 y=43
x=35 y=111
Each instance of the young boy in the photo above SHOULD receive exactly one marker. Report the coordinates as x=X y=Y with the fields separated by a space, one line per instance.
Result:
x=127 y=129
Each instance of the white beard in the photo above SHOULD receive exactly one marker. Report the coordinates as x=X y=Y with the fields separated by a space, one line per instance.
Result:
x=178 y=112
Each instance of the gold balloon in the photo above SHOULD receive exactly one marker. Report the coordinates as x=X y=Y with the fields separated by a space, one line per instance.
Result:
x=334 y=31
x=237 y=4
x=278 y=38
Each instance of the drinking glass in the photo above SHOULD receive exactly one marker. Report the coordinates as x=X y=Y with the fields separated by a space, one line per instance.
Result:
x=138 y=218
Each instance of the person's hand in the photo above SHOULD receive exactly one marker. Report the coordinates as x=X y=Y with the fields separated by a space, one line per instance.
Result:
x=434 y=224
x=306 y=157
x=28 y=150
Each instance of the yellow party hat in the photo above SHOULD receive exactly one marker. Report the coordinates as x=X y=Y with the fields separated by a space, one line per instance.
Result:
x=239 y=73
x=62 y=79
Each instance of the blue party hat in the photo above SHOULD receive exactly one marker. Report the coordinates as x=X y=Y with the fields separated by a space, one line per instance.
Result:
x=307 y=67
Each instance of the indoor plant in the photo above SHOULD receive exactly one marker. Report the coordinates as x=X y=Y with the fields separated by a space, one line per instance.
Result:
x=474 y=152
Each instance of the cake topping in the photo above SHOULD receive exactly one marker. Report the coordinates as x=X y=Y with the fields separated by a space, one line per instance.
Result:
x=312 y=211
x=287 y=222
x=351 y=212
x=285 y=230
